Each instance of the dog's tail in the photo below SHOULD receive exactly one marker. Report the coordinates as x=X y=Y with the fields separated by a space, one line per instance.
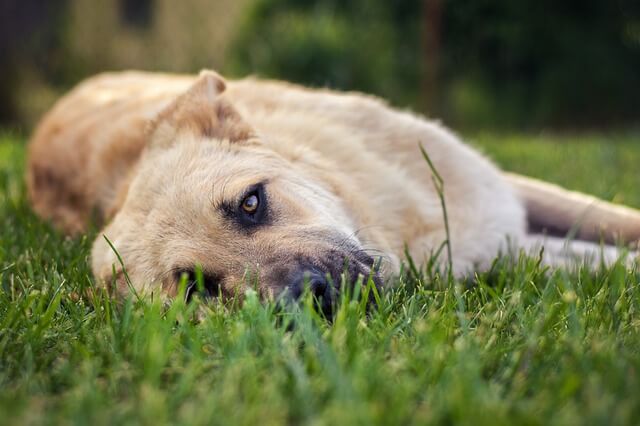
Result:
x=559 y=212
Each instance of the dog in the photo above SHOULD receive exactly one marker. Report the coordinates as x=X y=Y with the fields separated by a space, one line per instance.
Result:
x=286 y=188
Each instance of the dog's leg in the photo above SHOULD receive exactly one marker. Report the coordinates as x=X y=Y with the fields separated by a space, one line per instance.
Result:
x=561 y=252
x=557 y=211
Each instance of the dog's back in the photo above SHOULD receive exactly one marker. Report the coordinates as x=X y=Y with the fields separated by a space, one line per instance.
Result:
x=85 y=150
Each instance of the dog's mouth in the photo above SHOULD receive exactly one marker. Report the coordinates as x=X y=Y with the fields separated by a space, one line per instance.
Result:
x=198 y=282
x=326 y=278
x=323 y=278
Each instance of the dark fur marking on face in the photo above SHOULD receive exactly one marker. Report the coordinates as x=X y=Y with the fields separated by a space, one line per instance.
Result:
x=322 y=276
x=244 y=220
x=211 y=283
x=334 y=263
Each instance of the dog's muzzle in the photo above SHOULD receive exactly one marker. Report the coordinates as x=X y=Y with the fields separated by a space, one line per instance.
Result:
x=324 y=279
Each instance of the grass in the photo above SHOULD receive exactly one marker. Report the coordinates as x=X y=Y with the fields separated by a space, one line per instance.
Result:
x=539 y=346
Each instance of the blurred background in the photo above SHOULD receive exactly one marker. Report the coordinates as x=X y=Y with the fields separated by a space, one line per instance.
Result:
x=525 y=65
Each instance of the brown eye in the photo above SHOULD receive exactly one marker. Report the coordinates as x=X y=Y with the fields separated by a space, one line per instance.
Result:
x=252 y=210
x=250 y=204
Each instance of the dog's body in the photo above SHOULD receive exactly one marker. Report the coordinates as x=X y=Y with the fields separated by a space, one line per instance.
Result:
x=175 y=165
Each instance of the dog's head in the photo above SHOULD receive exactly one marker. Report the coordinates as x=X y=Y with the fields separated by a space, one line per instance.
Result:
x=208 y=193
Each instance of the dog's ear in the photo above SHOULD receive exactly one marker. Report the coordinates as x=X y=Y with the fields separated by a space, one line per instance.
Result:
x=202 y=112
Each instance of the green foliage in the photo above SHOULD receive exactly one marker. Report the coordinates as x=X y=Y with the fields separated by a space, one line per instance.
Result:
x=524 y=64
x=540 y=346
x=346 y=45
x=499 y=63
x=571 y=63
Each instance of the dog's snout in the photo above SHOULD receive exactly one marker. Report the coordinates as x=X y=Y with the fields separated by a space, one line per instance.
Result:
x=316 y=282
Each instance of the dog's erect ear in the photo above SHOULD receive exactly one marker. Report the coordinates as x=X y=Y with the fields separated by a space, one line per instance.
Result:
x=202 y=112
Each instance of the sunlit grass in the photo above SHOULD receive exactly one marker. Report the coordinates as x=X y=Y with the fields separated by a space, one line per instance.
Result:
x=540 y=346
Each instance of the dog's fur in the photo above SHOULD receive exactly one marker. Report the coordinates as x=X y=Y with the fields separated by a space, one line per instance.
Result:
x=165 y=161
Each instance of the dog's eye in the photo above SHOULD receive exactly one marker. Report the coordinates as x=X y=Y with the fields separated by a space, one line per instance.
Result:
x=252 y=209
x=250 y=204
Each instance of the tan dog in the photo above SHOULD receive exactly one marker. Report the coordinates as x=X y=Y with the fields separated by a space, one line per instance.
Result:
x=279 y=183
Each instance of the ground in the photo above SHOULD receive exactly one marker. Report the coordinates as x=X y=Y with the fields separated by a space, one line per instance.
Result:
x=520 y=344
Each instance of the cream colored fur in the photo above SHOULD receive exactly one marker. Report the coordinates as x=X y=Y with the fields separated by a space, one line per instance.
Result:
x=155 y=155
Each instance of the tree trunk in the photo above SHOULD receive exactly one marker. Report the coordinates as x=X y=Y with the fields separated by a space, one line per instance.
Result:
x=431 y=42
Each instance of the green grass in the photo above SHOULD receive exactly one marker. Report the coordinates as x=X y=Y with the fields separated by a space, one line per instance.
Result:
x=538 y=346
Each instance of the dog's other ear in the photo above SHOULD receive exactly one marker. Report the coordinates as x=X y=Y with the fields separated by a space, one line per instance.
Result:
x=202 y=112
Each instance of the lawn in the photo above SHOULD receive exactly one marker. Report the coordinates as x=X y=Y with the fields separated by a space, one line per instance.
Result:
x=519 y=344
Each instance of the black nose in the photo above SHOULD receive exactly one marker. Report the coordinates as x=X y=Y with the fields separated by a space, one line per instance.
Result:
x=316 y=282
